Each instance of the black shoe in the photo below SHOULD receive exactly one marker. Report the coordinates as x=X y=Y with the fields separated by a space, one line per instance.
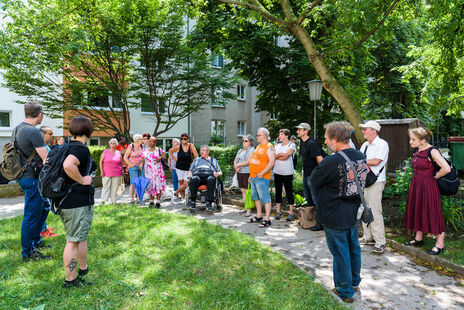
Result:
x=209 y=207
x=42 y=246
x=317 y=227
x=435 y=250
x=157 y=205
x=82 y=273
x=414 y=242
x=192 y=205
x=36 y=255
x=151 y=205
x=290 y=218
x=77 y=282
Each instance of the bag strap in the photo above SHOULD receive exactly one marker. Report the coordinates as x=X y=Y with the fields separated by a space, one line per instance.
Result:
x=34 y=152
x=381 y=169
x=356 y=180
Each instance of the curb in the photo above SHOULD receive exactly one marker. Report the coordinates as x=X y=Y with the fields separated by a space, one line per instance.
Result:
x=238 y=203
x=431 y=259
x=10 y=190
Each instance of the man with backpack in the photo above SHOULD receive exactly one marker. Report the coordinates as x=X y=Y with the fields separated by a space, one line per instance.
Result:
x=32 y=152
x=311 y=154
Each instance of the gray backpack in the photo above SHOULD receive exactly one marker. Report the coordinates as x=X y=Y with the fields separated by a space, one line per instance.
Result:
x=10 y=166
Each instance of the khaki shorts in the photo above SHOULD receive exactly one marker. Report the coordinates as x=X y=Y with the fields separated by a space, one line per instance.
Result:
x=77 y=223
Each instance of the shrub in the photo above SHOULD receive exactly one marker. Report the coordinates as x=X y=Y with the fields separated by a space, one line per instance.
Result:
x=225 y=156
x=96 y=152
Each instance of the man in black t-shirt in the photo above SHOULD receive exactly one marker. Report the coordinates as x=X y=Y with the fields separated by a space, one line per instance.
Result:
x=311 y=155
x=337 y=199
x=29 y=139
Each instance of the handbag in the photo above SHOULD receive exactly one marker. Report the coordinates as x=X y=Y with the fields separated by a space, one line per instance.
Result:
x=307 y=216
x=364 y=211
x=249 y=203
x=235 y=180
x=371 y=177
x=449 y=183
x=121 y=186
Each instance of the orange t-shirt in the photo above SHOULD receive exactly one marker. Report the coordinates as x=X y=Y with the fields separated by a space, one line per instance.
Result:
x=259 y=161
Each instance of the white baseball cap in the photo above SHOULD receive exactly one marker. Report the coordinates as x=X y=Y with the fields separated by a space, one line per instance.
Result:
x=370 y=124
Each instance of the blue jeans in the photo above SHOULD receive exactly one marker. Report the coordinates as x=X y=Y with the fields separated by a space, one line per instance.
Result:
x=175 y=181
x=135 y=172
x=260 y=190
x=47 y=207
x=34 y=215
x=346 y=252
x=307 y=191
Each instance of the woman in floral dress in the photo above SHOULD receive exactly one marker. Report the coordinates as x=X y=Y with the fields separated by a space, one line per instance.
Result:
x=154 y=172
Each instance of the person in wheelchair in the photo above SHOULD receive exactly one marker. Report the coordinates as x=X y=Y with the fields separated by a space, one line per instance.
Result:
x=204 y=170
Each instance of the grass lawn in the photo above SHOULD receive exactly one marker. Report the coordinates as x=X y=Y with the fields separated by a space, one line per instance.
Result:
x=142 y=258
x=454 y=247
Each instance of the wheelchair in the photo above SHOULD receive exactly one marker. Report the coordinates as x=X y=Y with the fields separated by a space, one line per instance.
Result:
x=218 y=194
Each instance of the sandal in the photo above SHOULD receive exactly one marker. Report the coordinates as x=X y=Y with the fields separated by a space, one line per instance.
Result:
x=255 y=220
x=242 y=211
x=265 y=223
x=414 y=242
x=247 y=214
x=435 y=250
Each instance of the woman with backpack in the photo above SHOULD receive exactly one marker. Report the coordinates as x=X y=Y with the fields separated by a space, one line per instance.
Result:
x=241 y=167
x=423 y=208
x=76 y=210
x=154 y=172
x=134 y=161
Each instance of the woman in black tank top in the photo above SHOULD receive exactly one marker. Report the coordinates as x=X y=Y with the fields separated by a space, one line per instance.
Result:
x=184 y=159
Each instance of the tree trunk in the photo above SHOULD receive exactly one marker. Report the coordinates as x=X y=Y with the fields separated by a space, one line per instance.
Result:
x=328 y=81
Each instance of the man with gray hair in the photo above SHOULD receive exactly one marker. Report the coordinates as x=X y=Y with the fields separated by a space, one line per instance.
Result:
x=260 y=164
x=204 y=171
x=32 y=151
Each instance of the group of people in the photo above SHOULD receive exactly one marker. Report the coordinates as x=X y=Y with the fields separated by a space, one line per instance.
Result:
x=329 y=185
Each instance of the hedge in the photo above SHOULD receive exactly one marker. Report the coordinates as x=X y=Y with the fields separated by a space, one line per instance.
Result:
x=96 y=152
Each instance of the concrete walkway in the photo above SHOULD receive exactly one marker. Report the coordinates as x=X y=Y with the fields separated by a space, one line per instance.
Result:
x=389 y=281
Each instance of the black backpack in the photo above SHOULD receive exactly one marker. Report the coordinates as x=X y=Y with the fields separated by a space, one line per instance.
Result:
x=449 y=183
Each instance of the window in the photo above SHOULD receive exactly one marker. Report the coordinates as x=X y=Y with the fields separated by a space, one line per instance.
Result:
x=217 y=61
x=218 y=129
x=99 y=99
x=217 y=97
x=94 y=141
x=241 y=94
x=147 y=107
x=4 y=119
x=241 y=128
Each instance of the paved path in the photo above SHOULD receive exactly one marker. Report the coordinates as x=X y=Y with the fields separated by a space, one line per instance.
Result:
x=389 y=281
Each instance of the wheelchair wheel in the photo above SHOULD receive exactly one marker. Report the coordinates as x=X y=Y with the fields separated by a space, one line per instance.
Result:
x=218 y=201
x=187 y=197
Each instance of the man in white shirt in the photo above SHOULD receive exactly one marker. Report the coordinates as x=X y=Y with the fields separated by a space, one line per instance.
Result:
x=376 y=151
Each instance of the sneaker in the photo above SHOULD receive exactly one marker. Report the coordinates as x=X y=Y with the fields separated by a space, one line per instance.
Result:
x=47 y=234
x=209 y=207
x=192 y=205
x=77 y=282
x=51 y=229
x=173 y=198
x=345 y=299
x=277 y=216
x=379 y=249
x=82 y=273
x=290 y=218
x=363 y=241
x=157 y=205
x=36 y=255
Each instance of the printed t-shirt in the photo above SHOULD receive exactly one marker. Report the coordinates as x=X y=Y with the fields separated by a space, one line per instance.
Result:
x=259 y=161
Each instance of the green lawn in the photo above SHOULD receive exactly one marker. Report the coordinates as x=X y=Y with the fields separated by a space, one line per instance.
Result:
x=453 y=247
x=142 y=258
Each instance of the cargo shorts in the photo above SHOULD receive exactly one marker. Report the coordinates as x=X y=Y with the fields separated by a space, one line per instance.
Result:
x=77 y=222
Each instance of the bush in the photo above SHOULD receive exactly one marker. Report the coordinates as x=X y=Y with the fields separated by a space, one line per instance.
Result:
x=225 y=156
x=96 y=152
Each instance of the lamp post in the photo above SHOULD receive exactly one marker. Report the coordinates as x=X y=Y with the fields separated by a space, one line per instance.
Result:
x=315 y=90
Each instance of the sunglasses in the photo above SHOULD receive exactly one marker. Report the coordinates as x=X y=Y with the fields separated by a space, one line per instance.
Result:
x=184 y=138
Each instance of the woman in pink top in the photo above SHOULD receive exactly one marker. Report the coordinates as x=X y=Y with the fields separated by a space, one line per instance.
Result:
x=110 y=170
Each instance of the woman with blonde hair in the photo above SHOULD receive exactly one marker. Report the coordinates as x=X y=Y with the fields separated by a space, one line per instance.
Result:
x=423 y=208
x=110 y=170
x=134 y=161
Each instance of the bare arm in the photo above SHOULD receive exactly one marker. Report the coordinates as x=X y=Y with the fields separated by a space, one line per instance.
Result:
x=102 y=158
x=444 y=167
x=194 y=150
x=71 y=168
x=42 y=151
x=172 y=150
x=285 y=156
x=374 y=162
x=126 y=157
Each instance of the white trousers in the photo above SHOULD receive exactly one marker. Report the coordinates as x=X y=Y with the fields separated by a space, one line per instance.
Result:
x=376 y=230
x=110 y=187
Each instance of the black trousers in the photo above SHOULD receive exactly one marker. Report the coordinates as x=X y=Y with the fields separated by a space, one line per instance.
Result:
x=196 y=181
x=287 y=182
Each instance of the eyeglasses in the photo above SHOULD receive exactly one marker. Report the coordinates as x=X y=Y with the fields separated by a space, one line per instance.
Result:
x=184 y=138
x=259 y=135
x=246 y=141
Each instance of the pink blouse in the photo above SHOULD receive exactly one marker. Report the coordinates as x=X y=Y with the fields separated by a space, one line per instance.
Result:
x=112 y=164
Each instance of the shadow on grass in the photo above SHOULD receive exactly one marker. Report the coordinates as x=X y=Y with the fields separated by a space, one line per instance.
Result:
x=144 y=258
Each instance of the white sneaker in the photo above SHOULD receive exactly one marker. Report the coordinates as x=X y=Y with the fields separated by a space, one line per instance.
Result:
x=173 y=198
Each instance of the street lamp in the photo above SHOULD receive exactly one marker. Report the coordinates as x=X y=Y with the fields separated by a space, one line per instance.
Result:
x=315 y=90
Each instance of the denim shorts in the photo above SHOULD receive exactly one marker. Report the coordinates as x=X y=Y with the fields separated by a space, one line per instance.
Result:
x=135 y=172
x=77 y=222
x=260 y=190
